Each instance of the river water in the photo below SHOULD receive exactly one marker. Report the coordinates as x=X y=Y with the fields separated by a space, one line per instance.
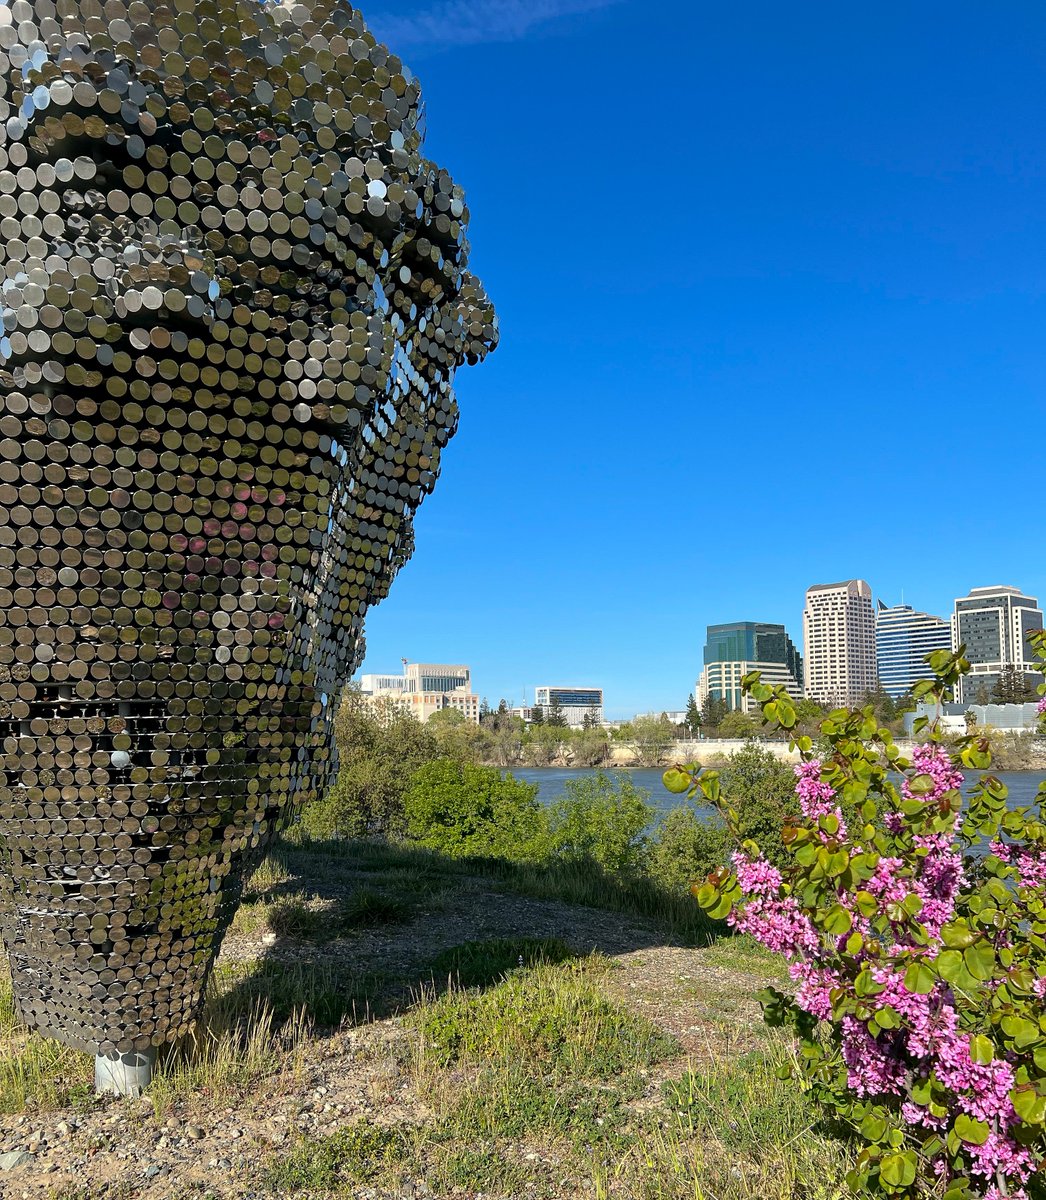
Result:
x=551 y=782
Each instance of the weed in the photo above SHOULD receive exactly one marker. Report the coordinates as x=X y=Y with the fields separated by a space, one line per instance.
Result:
x=551 y=1019
x=366 y=907
x=477 y=964
x=356 y=1154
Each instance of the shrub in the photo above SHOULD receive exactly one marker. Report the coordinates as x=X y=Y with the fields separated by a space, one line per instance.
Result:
x=601 y=818
x=463 y=810
x=760 y=788
x=920 y=979
x=687 y=849
x=377 y=749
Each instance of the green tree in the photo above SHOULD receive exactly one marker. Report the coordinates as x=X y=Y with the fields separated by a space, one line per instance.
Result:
x=651 y=737
x=537 y=715
x=714 y=711
x=693 y=715
x=737 y=724
x=761 y=790
x=463 y=810
x=457 y=737
x=555 y=715
x=379 y=744
x=601 y=818
x=1012 y=687
x=542 y=745
x=589 y=747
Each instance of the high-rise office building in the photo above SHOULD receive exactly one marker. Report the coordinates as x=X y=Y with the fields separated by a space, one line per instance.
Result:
x=734 y=650
x=993 y=624
x=426 y=688
x=903 y=639
x=839 y=642
x=577 y=704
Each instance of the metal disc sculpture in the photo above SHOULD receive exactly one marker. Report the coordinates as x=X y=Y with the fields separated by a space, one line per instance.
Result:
x=234 y=297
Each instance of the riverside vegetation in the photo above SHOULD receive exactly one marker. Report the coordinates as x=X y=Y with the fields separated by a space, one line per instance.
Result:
x=435 y=986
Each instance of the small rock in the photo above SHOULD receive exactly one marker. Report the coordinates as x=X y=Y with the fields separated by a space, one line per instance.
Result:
x=62 y=1130
x=195 y=1133
x=14 y=1158
x=152 y=1172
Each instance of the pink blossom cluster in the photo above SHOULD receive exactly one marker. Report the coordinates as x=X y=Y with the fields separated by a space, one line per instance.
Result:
x=1040 y=708
x=932 y=759
x=927 y=1043
x=817 y=798
x=779 y=923
x=1030 y=863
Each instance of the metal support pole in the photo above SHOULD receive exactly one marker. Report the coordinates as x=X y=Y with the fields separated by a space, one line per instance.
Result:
x=124 y=1074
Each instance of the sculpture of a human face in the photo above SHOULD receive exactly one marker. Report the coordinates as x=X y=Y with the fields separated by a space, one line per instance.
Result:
x=234 y=298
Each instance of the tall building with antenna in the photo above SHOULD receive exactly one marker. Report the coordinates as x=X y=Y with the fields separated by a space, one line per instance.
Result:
x=839 y=642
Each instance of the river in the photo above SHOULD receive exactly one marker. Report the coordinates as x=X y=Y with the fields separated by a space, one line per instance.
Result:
x=551 y=782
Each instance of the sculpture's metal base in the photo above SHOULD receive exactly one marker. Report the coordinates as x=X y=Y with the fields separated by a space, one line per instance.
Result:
x=125 y=1074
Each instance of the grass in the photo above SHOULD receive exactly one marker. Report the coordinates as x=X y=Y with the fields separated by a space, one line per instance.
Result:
x=359 y=1153
x=311 y=918
x=478 y=964
x=549 y=1019
x=542 y=1086
x=584 y=883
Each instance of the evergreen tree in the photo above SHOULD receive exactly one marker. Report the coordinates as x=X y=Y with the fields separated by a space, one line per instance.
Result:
x=1012 y=687
x=714 y=711
x=555 y=715
x=537 y=715
x=693 y=716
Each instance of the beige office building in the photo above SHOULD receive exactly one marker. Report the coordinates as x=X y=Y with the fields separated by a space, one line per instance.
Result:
x=839 y=643
x=426 y=688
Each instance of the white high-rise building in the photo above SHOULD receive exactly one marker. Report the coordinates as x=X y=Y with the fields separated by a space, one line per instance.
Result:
x=993 y=624
x=903 y=639
x=839 y=643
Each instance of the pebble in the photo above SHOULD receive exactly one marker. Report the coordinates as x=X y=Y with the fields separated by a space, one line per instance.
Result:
x=195 y=1133
x=14 y=1158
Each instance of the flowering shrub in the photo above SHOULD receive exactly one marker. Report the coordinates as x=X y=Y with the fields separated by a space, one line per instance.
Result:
x=916 y=939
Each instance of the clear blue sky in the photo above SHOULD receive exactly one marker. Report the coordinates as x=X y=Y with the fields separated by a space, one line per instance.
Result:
x=803 y=241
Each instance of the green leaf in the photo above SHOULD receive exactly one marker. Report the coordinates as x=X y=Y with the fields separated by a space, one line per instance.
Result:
x=971 y=1130
x=919 y=979
x=980 y=960
x=837 y=921
x=949 y=963
x=897 y=1171
x=676 y=780
x=981 y=1049
x=1029 y=1106
x=873 y=1128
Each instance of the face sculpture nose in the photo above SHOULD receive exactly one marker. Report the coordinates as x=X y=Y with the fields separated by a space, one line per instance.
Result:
x=234 y=298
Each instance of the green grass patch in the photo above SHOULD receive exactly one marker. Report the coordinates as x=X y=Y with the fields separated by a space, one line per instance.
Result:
x=760 y=1135
x=478 y=964
x=357 y=1154
x=550 y=1020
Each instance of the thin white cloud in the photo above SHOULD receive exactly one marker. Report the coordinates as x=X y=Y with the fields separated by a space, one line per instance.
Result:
x=443 y=23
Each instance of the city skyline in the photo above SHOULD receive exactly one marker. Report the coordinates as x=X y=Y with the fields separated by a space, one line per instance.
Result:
x=616 y=709
x=843 y=267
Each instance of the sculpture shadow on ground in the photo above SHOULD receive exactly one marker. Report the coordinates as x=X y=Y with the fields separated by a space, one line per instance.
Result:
x=344 y=932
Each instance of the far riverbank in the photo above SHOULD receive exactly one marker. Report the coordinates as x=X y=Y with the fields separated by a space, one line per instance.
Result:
x=551 y=781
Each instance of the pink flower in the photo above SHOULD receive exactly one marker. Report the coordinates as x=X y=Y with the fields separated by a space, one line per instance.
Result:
x=758 y=877
x=933 y=760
